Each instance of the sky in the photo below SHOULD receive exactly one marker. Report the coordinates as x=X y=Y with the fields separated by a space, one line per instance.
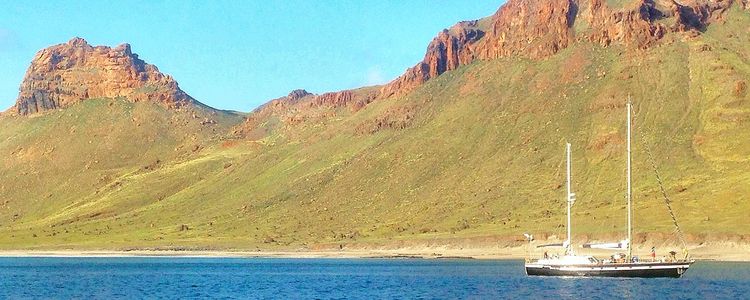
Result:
x=239 y=54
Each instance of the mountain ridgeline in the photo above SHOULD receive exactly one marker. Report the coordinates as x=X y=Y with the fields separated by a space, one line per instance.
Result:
x=103 y=151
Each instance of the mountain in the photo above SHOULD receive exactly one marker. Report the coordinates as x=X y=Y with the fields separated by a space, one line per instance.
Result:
x=66 y=74
x=86 y=119
x=466 y=149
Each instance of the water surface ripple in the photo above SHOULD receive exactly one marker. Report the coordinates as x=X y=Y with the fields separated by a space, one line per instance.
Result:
x=256 y=278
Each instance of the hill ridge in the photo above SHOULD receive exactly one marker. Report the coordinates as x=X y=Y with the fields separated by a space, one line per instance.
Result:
x=524 y=28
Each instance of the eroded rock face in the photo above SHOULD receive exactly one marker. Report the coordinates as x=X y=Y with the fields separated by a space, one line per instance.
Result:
x=530 y=28
x=537 y=29
x=296 y=95
x=65 y=74
x=632 y=26
x=303 y=99
x=450 y=49
x=645 y=22
x=300 y=106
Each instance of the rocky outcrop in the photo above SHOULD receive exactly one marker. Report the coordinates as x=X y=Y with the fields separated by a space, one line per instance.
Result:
x=399 y=117
x=65 y=74
x=530 y=28
x=649 y=21
x=300 y=106
x=450 y=49
x=537 y=29
x=303 y=99
x=335 y=99
x=697 y=15
x=295 y=96
x=634 y=27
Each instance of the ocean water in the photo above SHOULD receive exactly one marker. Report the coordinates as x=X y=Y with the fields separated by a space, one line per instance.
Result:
x=256 y=278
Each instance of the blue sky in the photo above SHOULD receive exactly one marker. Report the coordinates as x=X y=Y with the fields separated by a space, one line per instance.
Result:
x=239 y=54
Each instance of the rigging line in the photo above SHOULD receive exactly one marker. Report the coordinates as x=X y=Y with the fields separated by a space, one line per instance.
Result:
x=664 y=193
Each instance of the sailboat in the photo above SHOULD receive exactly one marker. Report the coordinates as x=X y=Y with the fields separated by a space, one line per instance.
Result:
x=571 y=264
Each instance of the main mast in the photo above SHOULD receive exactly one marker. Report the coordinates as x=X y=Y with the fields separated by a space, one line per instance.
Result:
x=629 y=192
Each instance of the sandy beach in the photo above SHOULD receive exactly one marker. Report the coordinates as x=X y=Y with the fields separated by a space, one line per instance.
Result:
x=718 y=252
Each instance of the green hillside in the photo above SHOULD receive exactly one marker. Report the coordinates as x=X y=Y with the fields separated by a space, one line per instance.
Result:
x=476 y=152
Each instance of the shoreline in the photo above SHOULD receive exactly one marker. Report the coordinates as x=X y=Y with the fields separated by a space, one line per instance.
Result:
x=726 y=254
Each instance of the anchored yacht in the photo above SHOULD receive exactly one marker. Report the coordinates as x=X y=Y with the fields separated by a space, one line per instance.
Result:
x=618 y=265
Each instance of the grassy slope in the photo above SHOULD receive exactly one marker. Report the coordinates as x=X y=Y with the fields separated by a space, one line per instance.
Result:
x=61 y=167
x=483 y=156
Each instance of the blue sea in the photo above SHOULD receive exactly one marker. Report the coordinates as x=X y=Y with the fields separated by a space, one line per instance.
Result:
x=257 y=278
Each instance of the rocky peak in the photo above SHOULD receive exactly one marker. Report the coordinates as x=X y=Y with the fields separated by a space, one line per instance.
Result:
x=295 y=95
x=78 y=42
x=125 y=49
x=65 y=74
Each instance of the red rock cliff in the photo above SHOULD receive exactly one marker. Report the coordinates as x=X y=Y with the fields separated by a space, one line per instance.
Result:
x=65 y=74
x=450 y=49
x=300 y=106
x=537 y=29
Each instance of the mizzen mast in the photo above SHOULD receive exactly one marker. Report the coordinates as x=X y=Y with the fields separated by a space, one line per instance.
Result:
x=629 y=191
x=570 y=198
